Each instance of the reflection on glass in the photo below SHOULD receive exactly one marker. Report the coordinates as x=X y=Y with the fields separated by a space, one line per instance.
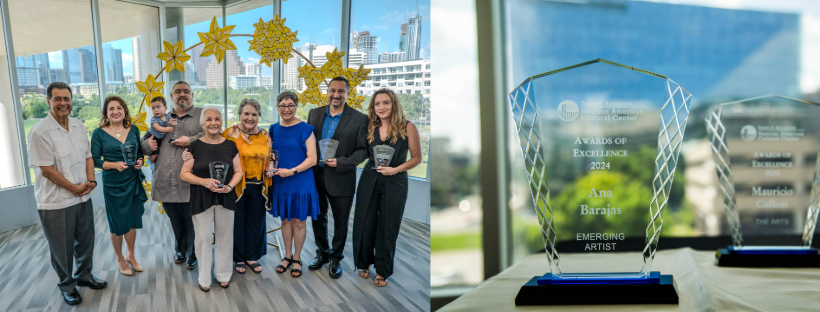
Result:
x=724 y=72
x=766 y=152
x=596 y=161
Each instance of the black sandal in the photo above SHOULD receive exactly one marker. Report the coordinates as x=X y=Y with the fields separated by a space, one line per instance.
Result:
x=254 y=266
x=240 y=266
x=284 y=269
x=299 y=262
x=226 y=285
x=203 y=289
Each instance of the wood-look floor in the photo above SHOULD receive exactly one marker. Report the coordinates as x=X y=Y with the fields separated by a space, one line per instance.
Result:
x=28 y=282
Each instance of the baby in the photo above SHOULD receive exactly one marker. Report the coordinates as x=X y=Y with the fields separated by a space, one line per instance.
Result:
x=161 y=123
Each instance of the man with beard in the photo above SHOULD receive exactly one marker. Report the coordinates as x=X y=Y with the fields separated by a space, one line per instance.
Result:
x=167 y=187
x=336 y=177
x=60 y=155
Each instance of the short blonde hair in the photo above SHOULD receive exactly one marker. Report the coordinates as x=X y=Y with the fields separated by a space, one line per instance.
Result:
x=210 y=109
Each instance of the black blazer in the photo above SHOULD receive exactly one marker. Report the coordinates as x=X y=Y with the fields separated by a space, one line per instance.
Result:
x=352 y=151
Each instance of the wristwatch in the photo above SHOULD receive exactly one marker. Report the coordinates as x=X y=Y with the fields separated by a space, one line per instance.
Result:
x=295 y=171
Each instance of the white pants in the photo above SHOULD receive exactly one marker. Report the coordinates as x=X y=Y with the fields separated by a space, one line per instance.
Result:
x=216 y=220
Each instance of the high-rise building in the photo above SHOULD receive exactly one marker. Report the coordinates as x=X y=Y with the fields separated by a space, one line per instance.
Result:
x=290 y=73
x=414 y=38
x=136 y=49
x=200 y=64
x=387 y=57
x=243 y=82
x=308 y=50
x=34 y=68
x=266 y=81
x=56 y=74
x=190 y=72
x=403 y=38
x=71 y=66
x=215 y=73
x=112 y=59
x=355 y=58
x=88 y=72
x=369 y=45
x=253 y=69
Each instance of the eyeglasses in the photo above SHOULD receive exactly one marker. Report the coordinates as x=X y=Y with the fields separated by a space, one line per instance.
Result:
x=182 y=91
x=291 y=107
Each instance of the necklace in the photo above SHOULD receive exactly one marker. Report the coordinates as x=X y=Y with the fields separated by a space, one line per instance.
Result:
x=118 y=131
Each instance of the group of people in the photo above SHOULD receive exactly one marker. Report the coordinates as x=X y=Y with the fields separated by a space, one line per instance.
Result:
x=274 y=171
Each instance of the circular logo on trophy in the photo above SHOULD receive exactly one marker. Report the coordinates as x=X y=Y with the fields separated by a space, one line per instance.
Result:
x=568 y=110
x=748 y=133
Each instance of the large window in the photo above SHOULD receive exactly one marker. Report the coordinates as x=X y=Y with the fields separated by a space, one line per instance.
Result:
x=130 y=48
x=455 y=198
x=50 y=50
x=11 y=160
x=393 y=41
x=250 y=79
x=204 y=74
x=719 y=54
x=319 y=32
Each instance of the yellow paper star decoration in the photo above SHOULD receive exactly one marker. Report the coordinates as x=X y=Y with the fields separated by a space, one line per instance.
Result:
x=217 y=41
x=356 y=76
x=174 y=56
x=313 y=95
x=333 y=68
x=139 y=121
x=354 y=100
x=313 y=77
x=151 y=88
x=147 y=186
x=272 y=40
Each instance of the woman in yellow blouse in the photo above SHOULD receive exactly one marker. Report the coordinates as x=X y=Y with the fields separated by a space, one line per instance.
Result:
x=254 y=144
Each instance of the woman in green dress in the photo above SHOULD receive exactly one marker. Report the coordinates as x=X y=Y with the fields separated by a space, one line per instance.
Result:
x=122 y=183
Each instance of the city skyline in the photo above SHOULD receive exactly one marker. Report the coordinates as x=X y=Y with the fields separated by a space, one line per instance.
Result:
x=384 y=21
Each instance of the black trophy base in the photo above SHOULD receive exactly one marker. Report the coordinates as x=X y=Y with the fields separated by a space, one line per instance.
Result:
x=725 y=258
x=533 y=294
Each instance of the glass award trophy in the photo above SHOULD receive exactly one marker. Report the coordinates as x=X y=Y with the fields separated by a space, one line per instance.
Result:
x=273 y=161
x=129 y=153
x=600 y=142
x=766 y=157
x=176 y=133
x=219 y=171
x=327 y=149
x=382 y=155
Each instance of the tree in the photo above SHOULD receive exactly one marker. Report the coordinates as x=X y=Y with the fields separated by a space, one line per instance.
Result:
x=89 y=112
x=91 y=125
x=34 y=107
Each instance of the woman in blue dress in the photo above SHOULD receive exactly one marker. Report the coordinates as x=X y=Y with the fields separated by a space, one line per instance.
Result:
x=122 y=183
x=293 y=195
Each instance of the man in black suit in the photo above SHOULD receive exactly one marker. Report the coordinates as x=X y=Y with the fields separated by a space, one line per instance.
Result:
x=336 y=177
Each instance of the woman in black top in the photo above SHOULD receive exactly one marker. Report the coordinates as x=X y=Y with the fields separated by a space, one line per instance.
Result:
x=213 y=206
x=382 y=192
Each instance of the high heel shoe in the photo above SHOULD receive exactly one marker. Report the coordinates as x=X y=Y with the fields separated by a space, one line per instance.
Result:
x=127 y=271
x=137 y=268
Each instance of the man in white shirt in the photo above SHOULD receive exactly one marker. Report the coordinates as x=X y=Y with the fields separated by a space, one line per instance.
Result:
x=60 y=155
